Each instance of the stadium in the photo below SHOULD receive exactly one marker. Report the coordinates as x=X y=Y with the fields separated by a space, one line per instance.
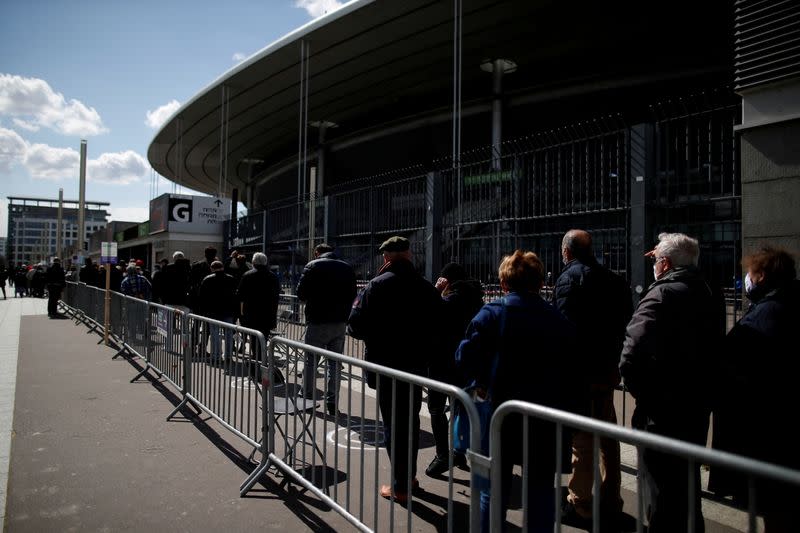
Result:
x=477 y=127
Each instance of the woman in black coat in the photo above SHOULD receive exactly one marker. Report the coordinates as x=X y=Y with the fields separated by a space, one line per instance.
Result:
x=760 y=372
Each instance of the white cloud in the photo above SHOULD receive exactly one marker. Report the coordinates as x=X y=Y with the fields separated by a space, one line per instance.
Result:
x=317 y=8
x=129 y=214
x=155 y=119
x=51 y=163
x=46 y=162
x=120 y=168
x=238 y=57
x=12 y=149
x=34 y=104
x=25 y=125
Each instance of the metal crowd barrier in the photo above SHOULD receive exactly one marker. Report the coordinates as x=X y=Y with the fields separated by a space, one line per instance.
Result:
x=222 y=368
x=695 y=456
x=300 y=427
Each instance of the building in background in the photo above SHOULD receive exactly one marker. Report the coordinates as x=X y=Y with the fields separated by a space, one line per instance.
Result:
x=33 y=223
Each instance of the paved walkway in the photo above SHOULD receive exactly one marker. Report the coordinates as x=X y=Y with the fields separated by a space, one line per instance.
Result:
x=11 y=312
x=93 y=452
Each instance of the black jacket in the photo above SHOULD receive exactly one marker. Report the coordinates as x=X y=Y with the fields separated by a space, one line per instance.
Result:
x=669 y=354
x=217 y=296
x=89 y=275
x=461 y=303
x=599 y=303
x=174 y=283
x=395 y=316
x=55 y=276
x=328 y=286
x=259 y=291
x=759 y=379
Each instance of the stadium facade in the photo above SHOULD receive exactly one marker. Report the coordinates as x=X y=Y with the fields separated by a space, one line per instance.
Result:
x=475 y=127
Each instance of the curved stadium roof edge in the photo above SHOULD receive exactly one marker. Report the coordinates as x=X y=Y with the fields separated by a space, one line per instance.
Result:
x=289 y=38
x=378 y=65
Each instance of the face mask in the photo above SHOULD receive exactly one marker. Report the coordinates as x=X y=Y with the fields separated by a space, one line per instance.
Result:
x=655 y=272
x=748 y=284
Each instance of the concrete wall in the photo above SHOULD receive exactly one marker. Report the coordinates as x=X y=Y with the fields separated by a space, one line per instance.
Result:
x=770 y=159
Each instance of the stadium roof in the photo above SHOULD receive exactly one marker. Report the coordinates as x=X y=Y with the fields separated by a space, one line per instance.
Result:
x=378 y=63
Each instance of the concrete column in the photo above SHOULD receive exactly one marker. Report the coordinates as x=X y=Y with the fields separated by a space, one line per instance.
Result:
x=82 y=200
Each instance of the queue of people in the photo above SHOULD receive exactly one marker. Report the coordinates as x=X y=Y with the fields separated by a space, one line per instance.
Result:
x=671 y=353
x=572 y=354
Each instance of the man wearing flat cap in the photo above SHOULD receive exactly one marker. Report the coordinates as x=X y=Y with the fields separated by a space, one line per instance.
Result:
x=395 y=316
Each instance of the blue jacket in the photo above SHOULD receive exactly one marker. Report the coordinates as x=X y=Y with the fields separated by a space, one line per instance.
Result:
x=535 y=353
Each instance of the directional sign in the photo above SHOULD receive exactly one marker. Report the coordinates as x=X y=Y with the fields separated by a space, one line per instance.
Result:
x=108 y=253
x=182 y=213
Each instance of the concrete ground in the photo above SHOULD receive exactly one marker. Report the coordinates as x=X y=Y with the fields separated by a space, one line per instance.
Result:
x=92 y=452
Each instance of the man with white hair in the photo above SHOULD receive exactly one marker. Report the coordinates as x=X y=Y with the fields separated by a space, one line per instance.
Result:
x=135 y=284
x=666 y=363
x=258 y=294
x=174 y=287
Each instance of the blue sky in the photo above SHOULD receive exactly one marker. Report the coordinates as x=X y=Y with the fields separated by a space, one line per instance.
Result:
x=110 y=72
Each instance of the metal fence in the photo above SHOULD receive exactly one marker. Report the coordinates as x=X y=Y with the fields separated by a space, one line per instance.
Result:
x=269 y=395
x=693 y=455
x=474 y=210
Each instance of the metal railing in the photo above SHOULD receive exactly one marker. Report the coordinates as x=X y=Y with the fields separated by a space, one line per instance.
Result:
x=694 y=455
x=255 y=389
x=298 y=412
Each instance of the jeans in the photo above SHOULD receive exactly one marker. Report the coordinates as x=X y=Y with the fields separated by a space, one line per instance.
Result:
x=329 y=336
x=216 y=334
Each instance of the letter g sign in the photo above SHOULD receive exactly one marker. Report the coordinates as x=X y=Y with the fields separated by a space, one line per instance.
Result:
x=180 y=210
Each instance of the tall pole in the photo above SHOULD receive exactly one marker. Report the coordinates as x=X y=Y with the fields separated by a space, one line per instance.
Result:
x=82 y=200
x=59 y=224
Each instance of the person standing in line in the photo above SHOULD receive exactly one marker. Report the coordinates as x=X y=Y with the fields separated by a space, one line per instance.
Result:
x=328 y=287
x=258 y=294
x=392 y=315
x=217 y=299
x=599 y=303
x=760 y=371
x=666 y=363
x=521 y=348
x=56 y=281
x=462 y=298
x=174 y=286
x=88 y=273
x=135 y=284
x=198 y=272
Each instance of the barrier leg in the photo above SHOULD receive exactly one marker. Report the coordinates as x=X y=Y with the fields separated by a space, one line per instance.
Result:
x=251 y=480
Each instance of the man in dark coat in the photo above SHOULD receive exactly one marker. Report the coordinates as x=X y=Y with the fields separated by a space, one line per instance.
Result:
x=88 y=273
x=56 y=281
x=666 y=363
x=599 y=303
x=462 y=298
x=394 y=312
x=258 y=292
x=174 y=284
x=328 y=287
x=217 y=299
x=199 y=271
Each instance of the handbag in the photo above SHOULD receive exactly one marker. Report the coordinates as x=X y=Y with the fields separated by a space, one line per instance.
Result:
x=461 y=425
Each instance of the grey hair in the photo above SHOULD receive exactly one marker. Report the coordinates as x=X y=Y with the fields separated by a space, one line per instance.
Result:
x=260 y=259
x=131 y=270
x=681 y=249
x=578 y=242
x=177 y=255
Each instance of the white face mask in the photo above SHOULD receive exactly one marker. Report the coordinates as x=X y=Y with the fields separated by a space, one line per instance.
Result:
x=748 y=284
x=655 y=271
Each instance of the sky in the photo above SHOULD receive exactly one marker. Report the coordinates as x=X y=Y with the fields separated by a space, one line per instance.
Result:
x=111 y=72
